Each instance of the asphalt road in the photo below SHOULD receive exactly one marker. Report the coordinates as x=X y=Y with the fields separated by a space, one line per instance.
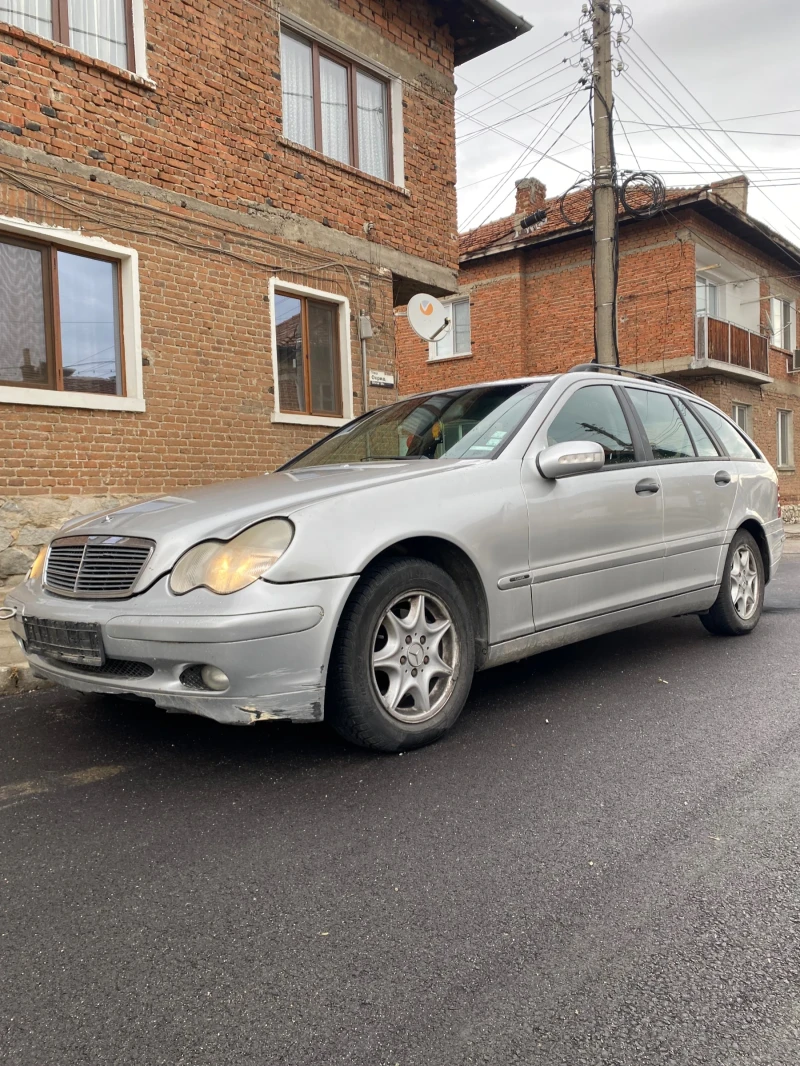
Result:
x=598 y=866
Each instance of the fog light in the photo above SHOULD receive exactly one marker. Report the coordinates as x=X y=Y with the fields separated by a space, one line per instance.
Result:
x=214 y=678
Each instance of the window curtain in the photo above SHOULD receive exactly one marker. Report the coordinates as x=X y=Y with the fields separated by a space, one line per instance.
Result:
x=335 y=117
x=23 y=351
x=372 y=126
x=461 y=331
x=98 y=28
x=298 y=91
x=35 y=16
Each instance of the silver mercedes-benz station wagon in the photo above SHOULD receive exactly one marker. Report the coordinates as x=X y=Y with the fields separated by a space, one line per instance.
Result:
x=370 y=577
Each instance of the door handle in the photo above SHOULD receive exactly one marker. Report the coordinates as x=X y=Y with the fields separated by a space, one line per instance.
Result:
x=647 y=487
x=722 y=477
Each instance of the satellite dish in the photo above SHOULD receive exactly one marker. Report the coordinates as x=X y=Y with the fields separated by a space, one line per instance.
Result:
x=428 y=317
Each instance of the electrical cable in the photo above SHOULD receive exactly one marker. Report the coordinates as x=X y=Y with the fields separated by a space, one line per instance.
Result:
x=716 y=123
x=532 y=147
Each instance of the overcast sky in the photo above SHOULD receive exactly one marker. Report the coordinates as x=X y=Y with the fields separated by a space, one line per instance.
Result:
x=737 y=58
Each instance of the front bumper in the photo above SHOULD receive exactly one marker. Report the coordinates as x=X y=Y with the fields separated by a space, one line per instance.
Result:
x=273 y=642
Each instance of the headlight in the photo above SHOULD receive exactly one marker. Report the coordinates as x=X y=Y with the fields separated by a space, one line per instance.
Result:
x=37 y=565
x=228 y=567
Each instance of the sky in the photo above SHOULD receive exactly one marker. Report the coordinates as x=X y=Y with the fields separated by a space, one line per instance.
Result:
x=735 y=58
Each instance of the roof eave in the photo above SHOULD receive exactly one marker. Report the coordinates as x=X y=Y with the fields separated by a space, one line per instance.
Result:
x=478 y=26
x=706 y=201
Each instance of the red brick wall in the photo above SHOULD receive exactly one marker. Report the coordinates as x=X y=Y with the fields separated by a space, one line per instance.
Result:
x=211 y=126
x=207 y=349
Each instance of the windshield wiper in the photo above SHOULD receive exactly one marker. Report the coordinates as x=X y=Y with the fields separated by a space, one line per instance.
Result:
x=389 y=458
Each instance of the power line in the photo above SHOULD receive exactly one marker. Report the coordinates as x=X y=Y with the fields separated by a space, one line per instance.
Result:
x=712 y=119
x=706 y=129
x=514 y=66
x=517 y=89
x=530 y=149
x=463 y=138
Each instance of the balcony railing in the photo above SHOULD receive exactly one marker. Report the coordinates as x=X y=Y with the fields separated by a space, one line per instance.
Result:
x=727 y=343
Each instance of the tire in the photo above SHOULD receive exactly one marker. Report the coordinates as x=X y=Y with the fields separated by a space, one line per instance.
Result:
x=400 y=609
x=738 y=606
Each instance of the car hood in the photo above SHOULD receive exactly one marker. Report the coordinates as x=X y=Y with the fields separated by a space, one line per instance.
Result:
x=175 y=523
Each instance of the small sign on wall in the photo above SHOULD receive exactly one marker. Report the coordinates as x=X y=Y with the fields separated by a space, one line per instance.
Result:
x=381 y=379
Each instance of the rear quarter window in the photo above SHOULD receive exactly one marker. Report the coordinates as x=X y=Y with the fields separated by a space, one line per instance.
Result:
x=731 y=439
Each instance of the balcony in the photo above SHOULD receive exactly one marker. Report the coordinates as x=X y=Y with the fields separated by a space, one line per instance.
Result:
x=732 y=349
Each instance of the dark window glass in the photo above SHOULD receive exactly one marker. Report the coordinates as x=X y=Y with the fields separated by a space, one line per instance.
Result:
x=732 y=440
x=463 y=423
x=703 y=443
x=322 y=357
x=289 y=338
x=88 y=292
x=307 y=339
x=663 y=426
x=23 y=335
x=594 y=413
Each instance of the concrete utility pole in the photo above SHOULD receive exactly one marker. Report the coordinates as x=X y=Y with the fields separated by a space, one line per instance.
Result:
x=605 y=204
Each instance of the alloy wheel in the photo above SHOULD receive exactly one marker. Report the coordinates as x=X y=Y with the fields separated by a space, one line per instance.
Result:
x=744 y=582
x=415 y=657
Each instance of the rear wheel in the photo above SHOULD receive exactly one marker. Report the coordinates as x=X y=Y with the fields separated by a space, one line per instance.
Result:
x=403 y=658
x=741 y=595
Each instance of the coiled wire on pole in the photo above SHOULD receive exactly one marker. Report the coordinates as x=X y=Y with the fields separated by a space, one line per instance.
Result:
x=642 y=194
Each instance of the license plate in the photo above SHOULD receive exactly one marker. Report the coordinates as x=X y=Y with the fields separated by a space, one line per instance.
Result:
x=69 y=642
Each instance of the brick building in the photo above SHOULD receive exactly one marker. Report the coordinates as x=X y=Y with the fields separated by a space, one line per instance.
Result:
x=707 y=296
x=199 y=200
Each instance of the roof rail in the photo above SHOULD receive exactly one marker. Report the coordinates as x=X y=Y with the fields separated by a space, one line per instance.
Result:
x=624 y=370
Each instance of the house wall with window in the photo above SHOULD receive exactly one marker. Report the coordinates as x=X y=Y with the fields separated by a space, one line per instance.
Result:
x=198 y=203
x=531 y=302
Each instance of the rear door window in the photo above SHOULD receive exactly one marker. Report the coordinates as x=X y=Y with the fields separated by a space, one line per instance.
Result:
x=594 y=413
x=663 y=426
x=730 y=437
x=705 y=446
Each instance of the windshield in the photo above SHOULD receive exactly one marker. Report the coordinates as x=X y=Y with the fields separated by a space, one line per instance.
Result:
x=457 y=424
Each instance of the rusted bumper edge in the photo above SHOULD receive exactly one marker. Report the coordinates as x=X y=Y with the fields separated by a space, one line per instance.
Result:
x=302 y=705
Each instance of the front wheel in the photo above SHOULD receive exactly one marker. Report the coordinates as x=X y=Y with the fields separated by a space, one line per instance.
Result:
x=739 y=603
x=403 y=658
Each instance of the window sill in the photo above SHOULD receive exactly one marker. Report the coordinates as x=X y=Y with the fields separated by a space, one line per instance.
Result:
x=786 y=469
x=308 y=420
x=85 y=400
x=449 y=358
x=314 y=154
x=80 y=57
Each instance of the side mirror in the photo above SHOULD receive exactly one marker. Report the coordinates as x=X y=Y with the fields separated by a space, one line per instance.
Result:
x=571 y=457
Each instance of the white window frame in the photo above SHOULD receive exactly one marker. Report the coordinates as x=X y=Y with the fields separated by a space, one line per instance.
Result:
x=394 y=85
x=432 y=347
x=128 y=260
x=746 y=410
x=706 y=283
x=785 y=448
x=774 y=303
x=345 y=357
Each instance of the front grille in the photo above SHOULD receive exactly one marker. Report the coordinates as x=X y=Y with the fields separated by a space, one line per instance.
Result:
x=97 y=567
x=122 y=668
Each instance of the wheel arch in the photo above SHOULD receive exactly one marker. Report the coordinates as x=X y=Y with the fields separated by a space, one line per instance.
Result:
x=756 y=531
x=455 y=562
